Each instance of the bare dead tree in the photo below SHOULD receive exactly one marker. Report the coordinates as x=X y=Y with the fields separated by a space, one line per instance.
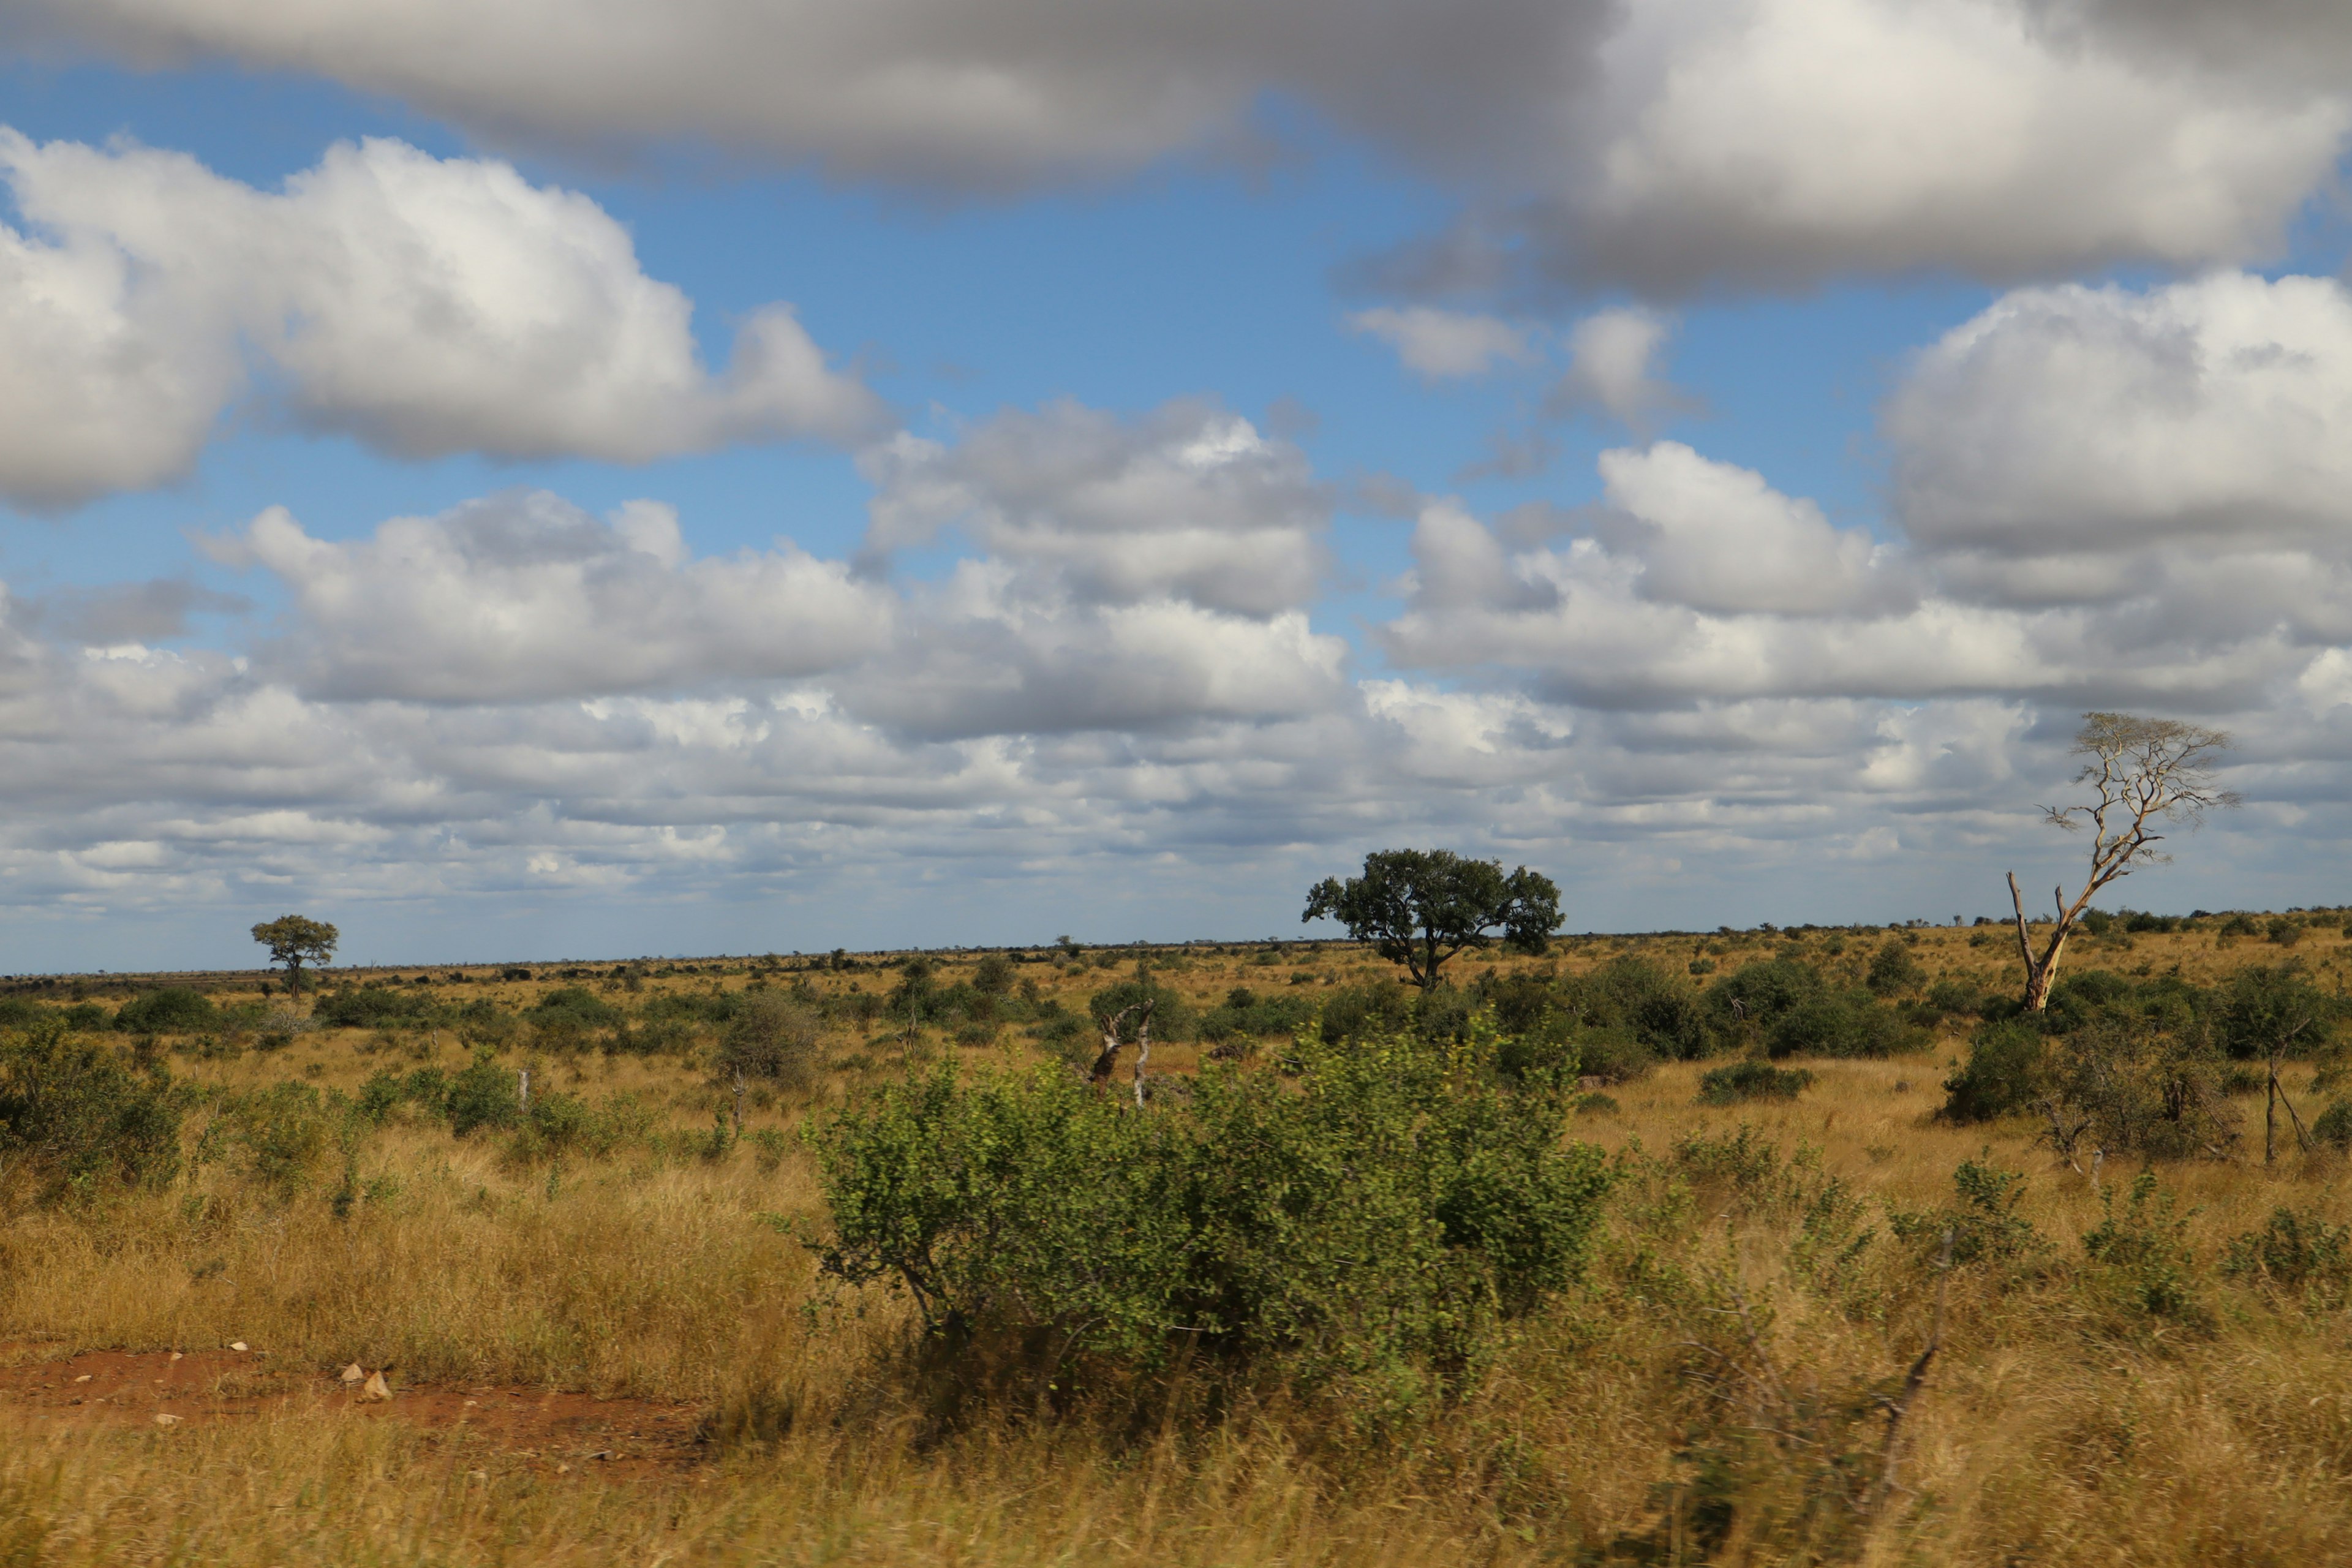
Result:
x=2144 y=773
x=1114 y=1041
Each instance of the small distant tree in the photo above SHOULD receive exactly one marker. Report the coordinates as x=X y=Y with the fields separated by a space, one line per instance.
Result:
x=2143 y=773
x=1421 y=907
x=294 y=940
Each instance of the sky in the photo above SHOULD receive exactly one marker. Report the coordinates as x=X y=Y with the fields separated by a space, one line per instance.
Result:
x=597 y=478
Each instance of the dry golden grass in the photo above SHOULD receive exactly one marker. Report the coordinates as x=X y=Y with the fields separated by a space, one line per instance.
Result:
x=2053 y=1427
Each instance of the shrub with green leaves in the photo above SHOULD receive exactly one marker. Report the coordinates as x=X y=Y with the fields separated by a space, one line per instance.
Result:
x=2143 y=1254
x=1368 y=1221
x=2005 y=1073
x=2334 y=1126
x=172 y=1010
x=1752 y=1081
x=2294 y=1253
x=483 y=1095
x=74 y=1114
x=1894 y=969
x=1984 y=1221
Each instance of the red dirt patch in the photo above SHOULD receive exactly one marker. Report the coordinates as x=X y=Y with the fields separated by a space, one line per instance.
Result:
x=567 y=1430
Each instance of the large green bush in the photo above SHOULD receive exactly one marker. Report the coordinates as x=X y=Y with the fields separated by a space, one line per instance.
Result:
x=173 y=1010
x=1367 y=1223
x=74 y=1114
x=2004 y=1074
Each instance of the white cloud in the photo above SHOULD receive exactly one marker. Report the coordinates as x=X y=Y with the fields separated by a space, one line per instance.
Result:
x=425 y=306
x=1445 y=345
x=1613 y=367
x=1658 y=146
x=2089 y=424
x=1190 y=502
x=1791 y=138
x=1717 y=537
x=523 y=596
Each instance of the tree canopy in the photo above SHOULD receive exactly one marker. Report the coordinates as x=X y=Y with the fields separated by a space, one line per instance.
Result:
x=294 y=940
x=1421 y=907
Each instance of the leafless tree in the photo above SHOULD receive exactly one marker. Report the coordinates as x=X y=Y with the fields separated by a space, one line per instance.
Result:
x=2144 y=773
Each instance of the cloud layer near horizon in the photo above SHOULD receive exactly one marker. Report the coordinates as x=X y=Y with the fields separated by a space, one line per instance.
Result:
x=519 y=695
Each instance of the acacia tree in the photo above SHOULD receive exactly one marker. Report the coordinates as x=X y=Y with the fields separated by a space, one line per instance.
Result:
x=294 y=940
x=2143 y=775
x=1421 y=907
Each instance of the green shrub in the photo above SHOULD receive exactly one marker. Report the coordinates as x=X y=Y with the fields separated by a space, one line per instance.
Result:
x=2143 y=1255
x=1660 y=1009
x=1752 y=1081
x=372 y=1006
x=2334 y=1127
x=173 y=1010
x=1372 y=1009
x=2005 y=1072
x=1984 y=1224
x=283 y=1134
x=773 y=1038
x=1894 y=969
x=2295 y=1253
x=568 y=1019
x=560 y=1126
x=73 y=1115
x=1369 y=1222
x=484 y=1094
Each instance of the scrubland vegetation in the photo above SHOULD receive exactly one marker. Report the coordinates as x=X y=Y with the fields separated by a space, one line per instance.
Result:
x=1757 y=1246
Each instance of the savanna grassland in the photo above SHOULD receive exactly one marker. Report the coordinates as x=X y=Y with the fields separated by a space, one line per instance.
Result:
x=2141 y=1355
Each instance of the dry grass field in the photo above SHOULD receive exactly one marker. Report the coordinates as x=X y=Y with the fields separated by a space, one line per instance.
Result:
x=1765 y=1275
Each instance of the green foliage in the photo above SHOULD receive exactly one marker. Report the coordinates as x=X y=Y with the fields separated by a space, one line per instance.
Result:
x=2132 y=1085
x=74 y=1114
x=1375 y=1009
x=993 y=976
x=569 y=1018
x=560 y=1126
x=295 y=942
x=1751 y=1080
x=2334 y=1127
x=282 y=1134
x=773 y=1038
x=1369 y=1222
x=1172 y=1016
x=2005 y=1073
x=2144 y=1256
x=1786 y=1005
x=373 y=1006
x=2261 y=1010
x=1421 y=907
x=385 y=1091
x=483 y=1095
x=1629 y=997
x=2294 y=1253
x=1982 y=1221
x=172 y=1010
x=1245 y=1013
x=1894 y=969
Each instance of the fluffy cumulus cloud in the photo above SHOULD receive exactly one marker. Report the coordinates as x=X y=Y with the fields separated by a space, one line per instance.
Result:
x=2074 y=421
x=425 y=306
x=1190 y=502
x=1661 y=144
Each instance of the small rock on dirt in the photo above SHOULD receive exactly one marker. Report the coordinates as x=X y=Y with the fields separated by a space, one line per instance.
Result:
x=165 y=1418
x=354 y=1373
x=376 y=1388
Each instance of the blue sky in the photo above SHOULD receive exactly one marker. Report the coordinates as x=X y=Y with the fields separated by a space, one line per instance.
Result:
x=1119 y=543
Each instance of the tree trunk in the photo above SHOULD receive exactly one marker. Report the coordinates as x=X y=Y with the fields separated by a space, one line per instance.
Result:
x=2270 y=1113
x=2041 y=972
x=739 y=1102
x=1143 y=1054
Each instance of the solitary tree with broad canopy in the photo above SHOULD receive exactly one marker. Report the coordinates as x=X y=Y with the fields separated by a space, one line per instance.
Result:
x=294 y=940
x=1421 y=907
x=2142 y=774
